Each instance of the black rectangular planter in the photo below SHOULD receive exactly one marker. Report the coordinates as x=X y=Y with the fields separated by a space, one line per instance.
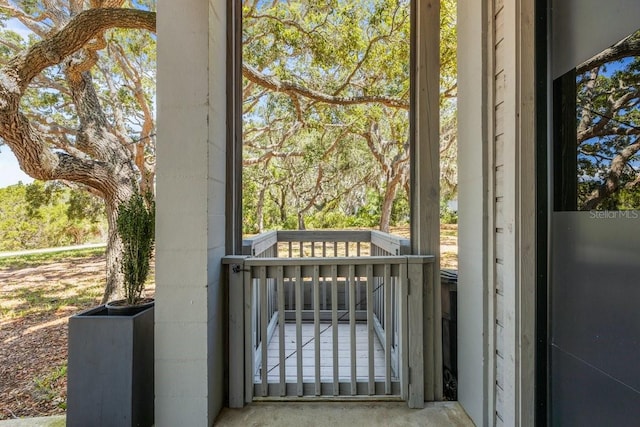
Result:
x=110 y=375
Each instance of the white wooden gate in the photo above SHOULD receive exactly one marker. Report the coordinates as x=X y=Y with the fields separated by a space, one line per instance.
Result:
x=307 y=320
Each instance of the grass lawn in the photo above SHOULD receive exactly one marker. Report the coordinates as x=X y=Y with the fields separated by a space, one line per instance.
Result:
x=33 y=260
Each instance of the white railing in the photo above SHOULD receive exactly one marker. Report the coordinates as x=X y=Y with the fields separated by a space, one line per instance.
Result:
x=325 y=243
x=326 y=313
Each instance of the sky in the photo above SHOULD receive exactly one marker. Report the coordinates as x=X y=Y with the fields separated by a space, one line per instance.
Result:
x=10 y=172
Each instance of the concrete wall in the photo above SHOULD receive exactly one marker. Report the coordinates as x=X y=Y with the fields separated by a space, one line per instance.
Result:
x=190 y=211
x=216 y=220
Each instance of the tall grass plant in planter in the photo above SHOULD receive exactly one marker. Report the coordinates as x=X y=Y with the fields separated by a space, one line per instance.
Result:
x=136 y=228
x=110 y=376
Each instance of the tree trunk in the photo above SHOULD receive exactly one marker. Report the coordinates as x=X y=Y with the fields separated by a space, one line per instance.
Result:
x=113 y=289
x=387 y=203
x=114 y=286
x=283 y=206
x=260 y=211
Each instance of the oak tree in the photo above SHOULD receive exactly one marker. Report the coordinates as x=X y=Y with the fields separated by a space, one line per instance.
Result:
x=608 y=128
x=75 y=100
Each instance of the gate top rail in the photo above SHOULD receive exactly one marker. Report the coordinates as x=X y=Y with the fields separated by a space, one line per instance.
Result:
x=365 y=260
x=261 y=244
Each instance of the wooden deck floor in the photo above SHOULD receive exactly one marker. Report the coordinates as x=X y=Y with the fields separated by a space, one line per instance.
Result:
x=326 y=354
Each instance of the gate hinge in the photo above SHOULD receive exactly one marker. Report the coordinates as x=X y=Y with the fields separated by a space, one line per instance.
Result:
x=237 y=268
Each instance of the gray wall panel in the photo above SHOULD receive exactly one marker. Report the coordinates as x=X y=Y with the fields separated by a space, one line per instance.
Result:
x=582 y=28
x=586 y=397
x=596 y=276
x=595 y=314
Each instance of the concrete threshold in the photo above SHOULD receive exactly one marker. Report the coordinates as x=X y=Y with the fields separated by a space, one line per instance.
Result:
x=350 y=414
x=54 y=421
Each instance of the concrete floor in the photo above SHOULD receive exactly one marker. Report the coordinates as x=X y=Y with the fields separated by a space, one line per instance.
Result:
x=350 y=414
x=317 y=414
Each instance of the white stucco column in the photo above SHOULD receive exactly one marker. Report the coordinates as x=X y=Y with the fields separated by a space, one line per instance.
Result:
x=472 y=209
x=191 y=95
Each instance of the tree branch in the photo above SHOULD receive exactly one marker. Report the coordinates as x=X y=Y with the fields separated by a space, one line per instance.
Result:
x=623 y=49
x=80 y=30
x=27 y=143
x=612 y=183
x=276 y=85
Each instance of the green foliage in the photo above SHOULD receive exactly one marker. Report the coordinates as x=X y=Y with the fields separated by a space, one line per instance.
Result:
x=320 y=161
x=40 y=215
x=136 y=228
x=447 y=216
x=82 y=206
x=401 y=211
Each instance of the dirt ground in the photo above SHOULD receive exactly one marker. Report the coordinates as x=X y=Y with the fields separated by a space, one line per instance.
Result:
x=35 y=304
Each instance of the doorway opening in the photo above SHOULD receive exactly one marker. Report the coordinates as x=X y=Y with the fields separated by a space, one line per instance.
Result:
x=327 y=139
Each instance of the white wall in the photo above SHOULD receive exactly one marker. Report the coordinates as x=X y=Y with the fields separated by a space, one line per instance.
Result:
x=472 y=215
x=190 y=211
x=496 y=156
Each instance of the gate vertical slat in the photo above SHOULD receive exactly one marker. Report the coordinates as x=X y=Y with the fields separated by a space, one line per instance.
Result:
x=324 y=294
x=316 y=324
x=404 y=330
x=237 y=334
x=352 y=326
x=370 y=329
x=388 y=329
x=358 y=296
x=299 y=299
x=334 y=322
x=420 y=389
x=281 y=322
x=249 y=336
x=264 y=322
